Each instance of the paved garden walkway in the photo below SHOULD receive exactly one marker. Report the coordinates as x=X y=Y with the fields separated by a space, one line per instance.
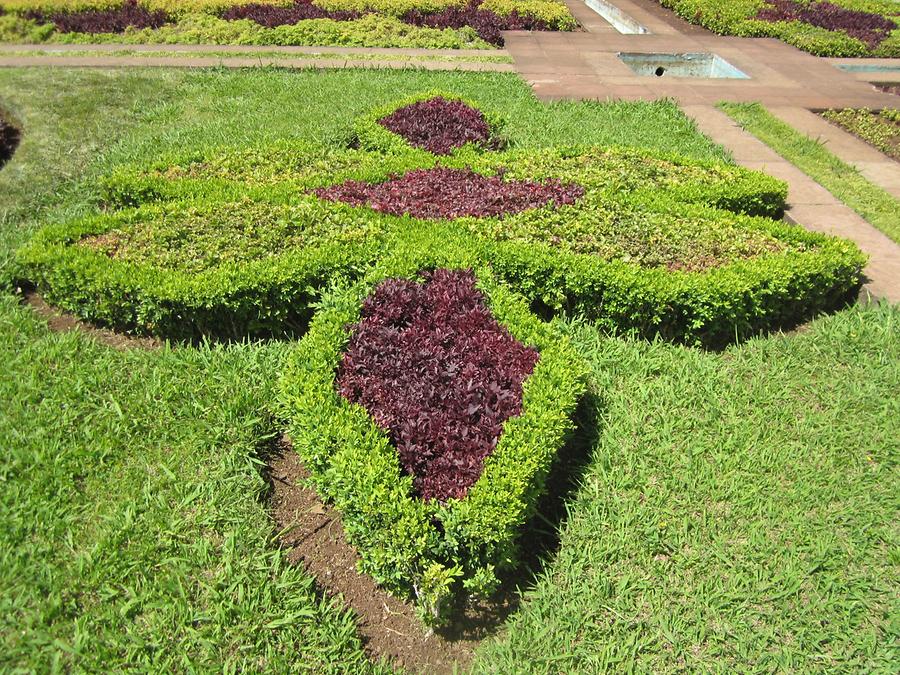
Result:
x=244 y=56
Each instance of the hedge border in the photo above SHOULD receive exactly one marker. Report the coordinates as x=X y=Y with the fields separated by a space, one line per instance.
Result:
x=374 y=137
x=708 y=309
x=354 y=466
x=257 y=299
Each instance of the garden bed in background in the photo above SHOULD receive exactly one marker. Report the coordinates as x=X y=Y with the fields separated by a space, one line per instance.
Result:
x=837 y=28
x=439 y=24
x=878 y=128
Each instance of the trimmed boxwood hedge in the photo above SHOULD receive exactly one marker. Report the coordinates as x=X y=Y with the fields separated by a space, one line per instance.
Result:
x=431 y=551
x=618 y=255
x=238 y=299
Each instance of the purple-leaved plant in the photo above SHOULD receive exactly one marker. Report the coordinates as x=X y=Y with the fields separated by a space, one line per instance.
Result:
x=867 y=27
x=271 y=16
x=439 y=125
x=451 y=193
x=439 y=374
x=115 y=20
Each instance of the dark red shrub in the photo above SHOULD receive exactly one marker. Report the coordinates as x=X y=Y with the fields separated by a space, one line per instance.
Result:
x=129 y=15
x=451 y=193
x=439 y=125
x=484 y=22
x=271 y=16
x=437 y=372
x=9 y=140
x=870 y=28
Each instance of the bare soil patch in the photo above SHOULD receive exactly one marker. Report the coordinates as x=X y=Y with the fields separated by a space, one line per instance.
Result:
x=313 y=535
x=62 y=322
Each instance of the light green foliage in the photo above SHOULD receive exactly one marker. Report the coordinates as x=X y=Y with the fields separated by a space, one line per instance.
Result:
x=354 y=465
x=371 y=30
x=739 y=512
x=881 y=129
x=551 y=12
x=844 y=181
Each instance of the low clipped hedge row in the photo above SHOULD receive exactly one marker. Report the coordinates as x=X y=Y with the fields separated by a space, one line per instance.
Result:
x=822 y=27
x=447 y=24
x=268 y=295
x=657 y=244
x=431 y=550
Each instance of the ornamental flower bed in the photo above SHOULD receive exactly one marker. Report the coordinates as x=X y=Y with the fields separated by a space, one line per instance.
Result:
x=438 y=374
x=821 y=27
x=240 y=242
x=873 y=29
x=423 y=527
x=452 y=193
x=439 y=125
x=130 y=14
x=372 y=23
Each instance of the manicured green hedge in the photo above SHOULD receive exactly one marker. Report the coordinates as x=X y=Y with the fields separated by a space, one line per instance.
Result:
x=428 y=550
x=285 y=168
x=879 y=129
x=738 y=17
x=242 y=296
x=371 y=30
x=657 y=244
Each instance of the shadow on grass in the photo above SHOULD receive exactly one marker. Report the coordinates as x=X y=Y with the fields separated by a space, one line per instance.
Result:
x=541 y=535
x=10 y=135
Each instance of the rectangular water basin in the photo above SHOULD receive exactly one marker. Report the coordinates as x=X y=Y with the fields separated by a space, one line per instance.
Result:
x=681 y=65
x=616 y=17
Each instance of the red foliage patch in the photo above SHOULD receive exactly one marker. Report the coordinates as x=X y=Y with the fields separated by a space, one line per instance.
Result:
x=451 y=193
x=116 y=20
x=439 y=125
x=870 y=28
x=271 y=16
x=484 y=22
x=437 y=372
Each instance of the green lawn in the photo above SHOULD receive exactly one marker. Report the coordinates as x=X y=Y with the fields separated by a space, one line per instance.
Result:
x=738 y=511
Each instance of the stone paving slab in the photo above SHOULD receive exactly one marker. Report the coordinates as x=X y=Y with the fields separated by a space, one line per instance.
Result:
x=877 y=167
x=779 y=75
x=809 y=204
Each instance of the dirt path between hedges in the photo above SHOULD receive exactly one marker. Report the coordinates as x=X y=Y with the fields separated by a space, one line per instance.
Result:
x=61 y=322
x=313 y=535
